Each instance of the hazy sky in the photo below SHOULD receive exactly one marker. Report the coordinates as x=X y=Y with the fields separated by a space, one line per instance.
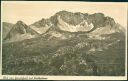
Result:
x=29 y=11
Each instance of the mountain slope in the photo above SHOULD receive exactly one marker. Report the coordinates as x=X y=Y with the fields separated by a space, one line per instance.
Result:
x=6 y=28
x=73 y=56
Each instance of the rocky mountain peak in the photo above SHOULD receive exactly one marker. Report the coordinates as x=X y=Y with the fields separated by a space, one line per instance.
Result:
x=20 y=31
x=19 y=22
x=20 y=27
x=98 y=19
x=62 y=12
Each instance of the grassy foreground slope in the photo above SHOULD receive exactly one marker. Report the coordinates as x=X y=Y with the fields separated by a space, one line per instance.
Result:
x=78 y=55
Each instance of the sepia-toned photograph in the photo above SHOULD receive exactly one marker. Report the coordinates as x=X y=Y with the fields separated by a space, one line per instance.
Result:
x=60 y=38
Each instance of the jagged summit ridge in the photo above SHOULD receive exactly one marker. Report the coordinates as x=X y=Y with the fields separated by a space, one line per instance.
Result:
x=73 y=22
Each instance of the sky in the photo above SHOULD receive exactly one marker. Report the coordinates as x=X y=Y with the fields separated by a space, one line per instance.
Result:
x=30 y=12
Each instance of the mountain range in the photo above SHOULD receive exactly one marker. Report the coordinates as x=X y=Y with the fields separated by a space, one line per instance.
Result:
x=65 y=44
x=62 y=21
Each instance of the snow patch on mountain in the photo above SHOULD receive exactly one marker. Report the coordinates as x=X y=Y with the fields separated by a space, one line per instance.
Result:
x=83 y=26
